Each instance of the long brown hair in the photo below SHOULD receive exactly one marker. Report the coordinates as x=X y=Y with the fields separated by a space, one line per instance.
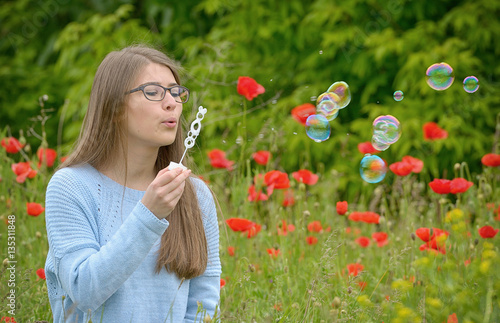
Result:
x=183 y=247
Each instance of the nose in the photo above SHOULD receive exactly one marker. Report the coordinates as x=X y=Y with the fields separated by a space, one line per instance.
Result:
x=168 y=102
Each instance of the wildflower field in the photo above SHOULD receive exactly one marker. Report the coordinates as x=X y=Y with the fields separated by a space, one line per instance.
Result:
x=353 y=148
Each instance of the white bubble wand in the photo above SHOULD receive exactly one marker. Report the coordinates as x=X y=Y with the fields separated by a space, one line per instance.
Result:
x=191 y=137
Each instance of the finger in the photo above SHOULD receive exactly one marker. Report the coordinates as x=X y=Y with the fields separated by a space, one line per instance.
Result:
x=176 y=182
x=165 y=176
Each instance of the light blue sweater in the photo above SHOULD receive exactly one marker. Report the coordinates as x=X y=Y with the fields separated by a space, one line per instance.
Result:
x=103 y=245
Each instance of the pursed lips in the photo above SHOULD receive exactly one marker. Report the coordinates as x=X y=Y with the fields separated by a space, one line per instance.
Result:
x=170 y=122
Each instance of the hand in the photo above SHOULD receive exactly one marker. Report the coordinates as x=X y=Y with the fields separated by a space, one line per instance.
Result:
x=165 y=190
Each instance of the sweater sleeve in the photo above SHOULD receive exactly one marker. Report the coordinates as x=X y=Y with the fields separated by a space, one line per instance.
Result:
x=87 y=272
x=205 y=289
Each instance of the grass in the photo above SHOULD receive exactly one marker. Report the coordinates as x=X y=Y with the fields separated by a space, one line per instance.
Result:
x=306 y=282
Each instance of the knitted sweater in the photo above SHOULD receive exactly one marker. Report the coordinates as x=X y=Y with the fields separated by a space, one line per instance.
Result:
x=103 y=245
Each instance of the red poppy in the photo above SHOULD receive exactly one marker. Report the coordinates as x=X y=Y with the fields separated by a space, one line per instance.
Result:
x=367 y=148
x=459 y=185
x=289 y=199
x=273 y=252
x=303 y=111
x=452 y=318
x=423 y=234
x=11 y=145
x=34 y=209
x=355 y=269
x=433 y=132
x=342 y=207
x=249 y=88
x=315 y=226
x=276 y=179
x=491 y=160
x=435 y=239
x=46 y=156
x=239 y=224
x=8 y=319
x=416 y=163
x=380 y=238
x=367 y=217
x=440 y=186
x=261 y=157
x=355 y=231
x=23 y=170
x=255 y=196
x=487 y=232
x=40 y=273
x=230 y=251
x=305 y=176
x=222 y=282
x=311 y=240
x=363 y=241
x=252 y=232
x=218 y=159
x=401 y=168
x=362 y=285
x=285 y=228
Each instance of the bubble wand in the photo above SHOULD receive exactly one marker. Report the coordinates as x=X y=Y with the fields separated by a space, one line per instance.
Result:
x=191 y=137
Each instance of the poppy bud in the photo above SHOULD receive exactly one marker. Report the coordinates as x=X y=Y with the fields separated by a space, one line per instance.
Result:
x=6 y=262
x=349 y=290
x=306 y=213
x=476 y=242
x=251 y=268
x=456 y=167
x=336 y=301
x=27 y=148
x=413 y=236
x=316 y=205
x=38 y=234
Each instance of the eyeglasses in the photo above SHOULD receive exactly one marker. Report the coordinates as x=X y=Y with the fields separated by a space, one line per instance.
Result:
x=156 y=92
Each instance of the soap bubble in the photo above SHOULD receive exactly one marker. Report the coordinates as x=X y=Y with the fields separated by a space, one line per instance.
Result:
x=471 y=84
x=317 y=128
x=386 y=129
x=398 y=95
x=342 y=90
x=379 y=145
x=372 y=168
x=440 y=76
x=327 y=105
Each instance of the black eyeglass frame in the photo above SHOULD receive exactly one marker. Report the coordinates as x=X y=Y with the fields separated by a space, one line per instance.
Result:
x=165 y=89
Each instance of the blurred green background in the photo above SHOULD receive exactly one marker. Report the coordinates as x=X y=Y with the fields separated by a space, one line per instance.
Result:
x=296 y=49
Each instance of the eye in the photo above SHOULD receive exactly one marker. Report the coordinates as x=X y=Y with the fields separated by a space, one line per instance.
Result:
x=152 y=91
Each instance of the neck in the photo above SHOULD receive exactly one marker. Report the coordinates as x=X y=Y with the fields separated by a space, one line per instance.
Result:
x=137 y=172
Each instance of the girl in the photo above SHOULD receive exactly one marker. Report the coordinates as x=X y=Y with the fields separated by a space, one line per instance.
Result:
x=130 y=239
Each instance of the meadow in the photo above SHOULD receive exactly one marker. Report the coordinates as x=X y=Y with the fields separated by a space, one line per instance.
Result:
x=408 y=248
x=303 y=236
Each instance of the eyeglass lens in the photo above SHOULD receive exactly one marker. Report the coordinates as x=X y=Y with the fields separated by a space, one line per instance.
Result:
x=157 y=93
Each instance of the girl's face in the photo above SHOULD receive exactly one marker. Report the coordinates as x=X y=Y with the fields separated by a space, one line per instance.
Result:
x=153 y=123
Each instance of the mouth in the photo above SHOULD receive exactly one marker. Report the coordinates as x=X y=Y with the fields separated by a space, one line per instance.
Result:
x=170 y=122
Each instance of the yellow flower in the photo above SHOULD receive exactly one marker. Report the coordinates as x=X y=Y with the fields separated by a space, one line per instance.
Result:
x=484 y=267
x=402 y=285
x=434 y=302
x=363 y=300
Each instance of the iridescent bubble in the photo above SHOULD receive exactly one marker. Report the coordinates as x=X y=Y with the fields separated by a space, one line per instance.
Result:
x=386 y=129
x=342 y=90
x=440 y=76
x=471 y=84
x=372 y=168
x=317 y=128
x=327 y=105
x=379 y=145
x=398 y=95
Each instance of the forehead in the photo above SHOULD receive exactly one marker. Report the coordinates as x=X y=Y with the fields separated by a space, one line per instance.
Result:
x=156 y=73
